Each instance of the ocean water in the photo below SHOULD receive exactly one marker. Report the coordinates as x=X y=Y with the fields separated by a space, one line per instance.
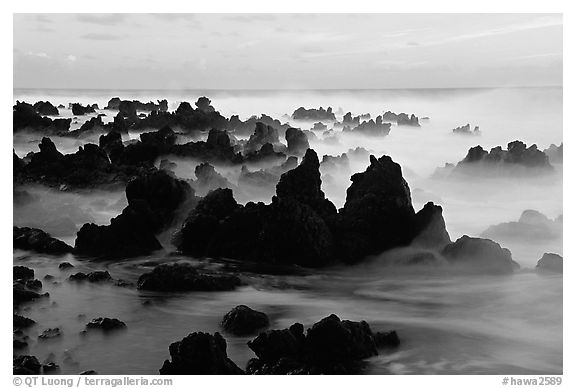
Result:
x=447 y=322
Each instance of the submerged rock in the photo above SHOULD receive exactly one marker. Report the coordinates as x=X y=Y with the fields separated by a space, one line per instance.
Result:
x=330 y=346
x=92 y=277
x=106 y=324
x=25 y=365
x=184 y=277
x=199 y=354
x=65 y=265
x=550 y=262
x=480 y=255
x=39 y=241
x=465 y=130
x=242 y=320
x=50 y=334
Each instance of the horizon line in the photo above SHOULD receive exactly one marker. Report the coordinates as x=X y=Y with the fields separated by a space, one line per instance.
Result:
x=292 y=89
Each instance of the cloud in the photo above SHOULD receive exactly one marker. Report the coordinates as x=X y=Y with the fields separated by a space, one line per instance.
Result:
x=105 y=19
x=71 y=58
x=101 y=36
x=36 y=54
x=512 y=28
x=253 y=17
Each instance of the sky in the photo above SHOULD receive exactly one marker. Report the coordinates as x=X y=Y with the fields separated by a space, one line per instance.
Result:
x=286 y=51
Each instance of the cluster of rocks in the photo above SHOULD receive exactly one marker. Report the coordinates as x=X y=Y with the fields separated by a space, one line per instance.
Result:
x=243 y=128
x=517 y=153
x=371 y=128
x=377 y=216
x=184 y=277
x=87 y=168
x=80 y=110
x=115 y=103
x=531 y=226
x=32 y=239
x=330 y=346
x=24 y=287
x=26 y=117
x=314 y=114
x=401 y=119
x=45 y=108
x=465 y=130
x=154 y=200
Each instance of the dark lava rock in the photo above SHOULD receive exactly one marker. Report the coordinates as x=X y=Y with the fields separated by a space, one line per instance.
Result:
x=25 y=365
x=431 y=228
x=87 y=168
x=262 y=134
x=25 y=117
x=46 y=108
x=516 y=154
x=200 y=354
x=208 y=179
x=153 y=201
x=20 y=294
x=80 y=110
x=50 y=367
x=184 y=277
x=371 y=128
x=550 y=262
x=39 y=241
x=386 y=339
x=242 y=320
x=50 y=333
x=19 y=344
x=92 y=277
x=465 y=130
x=20 y=322
x=33 y=284
x=479 y=255
x=303 y=184
x=89 y=372
x=297 y=141
x=106 y=324
x=266 y=153
x=313 y=114
x=21 y=272
x=245 y=128
x=330 y=346
x=378 y=213
x=65 y=265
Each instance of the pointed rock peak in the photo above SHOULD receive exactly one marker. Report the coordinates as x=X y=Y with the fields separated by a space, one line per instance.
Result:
x=310 y=159
x=303 y=182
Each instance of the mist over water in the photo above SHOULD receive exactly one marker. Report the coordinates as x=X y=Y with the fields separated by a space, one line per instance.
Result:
x=447 y=322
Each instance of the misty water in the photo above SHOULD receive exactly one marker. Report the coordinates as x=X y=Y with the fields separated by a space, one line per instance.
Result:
x=447 y=322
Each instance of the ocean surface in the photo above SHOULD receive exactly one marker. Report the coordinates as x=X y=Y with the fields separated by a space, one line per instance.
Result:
x=448 y=323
